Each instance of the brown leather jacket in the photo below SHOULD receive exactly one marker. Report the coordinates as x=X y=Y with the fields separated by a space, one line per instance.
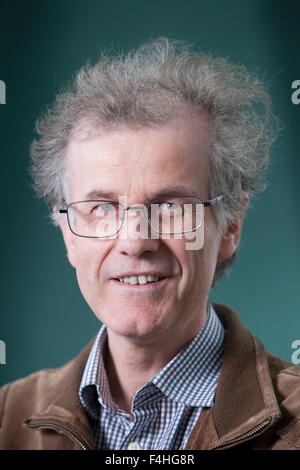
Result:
x=257 y=402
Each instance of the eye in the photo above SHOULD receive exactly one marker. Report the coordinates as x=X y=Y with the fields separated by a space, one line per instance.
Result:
x=106 y=208
x=168 y=206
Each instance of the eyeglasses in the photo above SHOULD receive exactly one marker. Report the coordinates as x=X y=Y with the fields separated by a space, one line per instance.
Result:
x=174 y=215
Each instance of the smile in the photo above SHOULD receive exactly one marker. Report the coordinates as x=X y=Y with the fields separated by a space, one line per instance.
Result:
x=140 y=279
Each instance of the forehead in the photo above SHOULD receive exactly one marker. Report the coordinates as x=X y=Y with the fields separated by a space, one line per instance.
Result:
x=132 y=161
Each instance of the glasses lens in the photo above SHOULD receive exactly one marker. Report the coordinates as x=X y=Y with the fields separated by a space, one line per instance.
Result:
x=101 y=219
x=95 y=219
x=176 y=215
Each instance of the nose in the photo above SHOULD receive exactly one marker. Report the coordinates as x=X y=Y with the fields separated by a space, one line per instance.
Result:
x=136 y=237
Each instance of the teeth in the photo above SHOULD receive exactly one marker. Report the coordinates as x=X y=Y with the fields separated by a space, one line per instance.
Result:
x=133 y=280
x=142 y=279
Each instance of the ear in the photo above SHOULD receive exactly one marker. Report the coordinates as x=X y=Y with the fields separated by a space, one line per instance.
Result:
x=69 y=238
x=230 y=239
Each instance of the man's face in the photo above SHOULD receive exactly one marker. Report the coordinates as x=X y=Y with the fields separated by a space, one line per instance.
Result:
x=141 y=164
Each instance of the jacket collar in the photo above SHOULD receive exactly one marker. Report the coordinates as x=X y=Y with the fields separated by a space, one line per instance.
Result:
x=66 y=409
x=244 y=397
x=245 y=400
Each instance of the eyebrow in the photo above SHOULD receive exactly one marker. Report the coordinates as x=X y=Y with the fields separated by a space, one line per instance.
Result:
x=168 y=191
x=96 y=194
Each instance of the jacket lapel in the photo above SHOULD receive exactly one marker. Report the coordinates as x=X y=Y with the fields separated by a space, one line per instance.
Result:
x=245 y=403
x=66 y=411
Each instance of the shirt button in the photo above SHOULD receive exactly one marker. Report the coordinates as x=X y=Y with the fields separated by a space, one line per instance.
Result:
x=133 y=446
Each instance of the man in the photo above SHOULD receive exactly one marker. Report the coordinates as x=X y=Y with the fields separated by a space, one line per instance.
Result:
x=149 y=163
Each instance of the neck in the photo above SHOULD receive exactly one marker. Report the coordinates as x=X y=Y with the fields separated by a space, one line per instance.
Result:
x=131 y=364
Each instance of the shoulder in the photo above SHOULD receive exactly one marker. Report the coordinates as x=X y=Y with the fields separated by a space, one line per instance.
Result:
x=21 y=399
x=286 y=381
x=285 y=377
x=31 y=394
x=35 y=393
x=278 y=380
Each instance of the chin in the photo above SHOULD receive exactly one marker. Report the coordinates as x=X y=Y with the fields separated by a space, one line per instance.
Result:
x=137 y=326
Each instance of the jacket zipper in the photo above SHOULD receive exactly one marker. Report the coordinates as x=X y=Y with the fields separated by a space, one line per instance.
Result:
x=75 y=438
x=244 y=437
x=56 y=426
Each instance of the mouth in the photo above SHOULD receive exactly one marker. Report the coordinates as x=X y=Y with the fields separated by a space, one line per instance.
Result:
x=141 y=280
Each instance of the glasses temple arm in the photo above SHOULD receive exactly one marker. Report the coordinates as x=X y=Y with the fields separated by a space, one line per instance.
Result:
x=211 y=202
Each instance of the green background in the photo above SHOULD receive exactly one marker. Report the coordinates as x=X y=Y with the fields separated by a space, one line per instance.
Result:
x=44 y=319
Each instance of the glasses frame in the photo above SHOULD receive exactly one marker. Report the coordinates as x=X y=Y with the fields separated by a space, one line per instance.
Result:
x=210 y=202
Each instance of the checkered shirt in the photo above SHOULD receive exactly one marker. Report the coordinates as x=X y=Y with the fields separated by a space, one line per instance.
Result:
x=167 y=407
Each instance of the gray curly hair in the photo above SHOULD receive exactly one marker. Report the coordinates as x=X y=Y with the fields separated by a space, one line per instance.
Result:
x=147 y=87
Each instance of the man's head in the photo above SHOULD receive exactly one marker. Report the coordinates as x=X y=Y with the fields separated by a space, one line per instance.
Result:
x=145 y=164
x=138 y=125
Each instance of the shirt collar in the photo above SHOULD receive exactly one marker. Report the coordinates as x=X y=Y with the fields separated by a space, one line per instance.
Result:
x=190 y=377
x=94 y=376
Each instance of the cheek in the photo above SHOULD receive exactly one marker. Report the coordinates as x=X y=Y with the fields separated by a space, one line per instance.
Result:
x=90 y=255
x=210 y=251
x=198 y=266
x=189 y=264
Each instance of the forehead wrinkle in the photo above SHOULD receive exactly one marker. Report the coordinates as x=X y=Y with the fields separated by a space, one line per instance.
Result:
x=172 y=190
x=127 y=167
